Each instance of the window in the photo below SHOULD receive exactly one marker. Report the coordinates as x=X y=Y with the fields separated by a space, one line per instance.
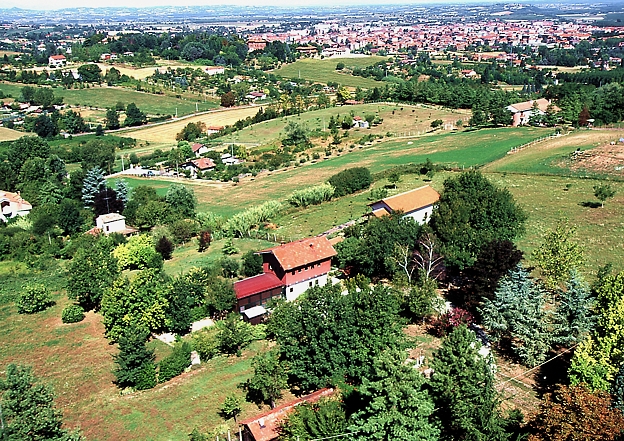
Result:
x=316 y=282
x=310 y=283
x=292 y=289
x=107 y=228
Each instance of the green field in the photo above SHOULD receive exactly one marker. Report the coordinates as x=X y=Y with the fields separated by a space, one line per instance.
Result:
x=106 y=97
x=323 y=71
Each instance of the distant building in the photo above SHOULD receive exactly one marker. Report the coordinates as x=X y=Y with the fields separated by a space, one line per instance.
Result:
x=522 y=112
x=201 y=164
x=214 y=129
x=199 y=149
x=13 y=205
x=56 y=61
x=417 y=204
x=256 y=44
x=214 y=70
x=309 y=51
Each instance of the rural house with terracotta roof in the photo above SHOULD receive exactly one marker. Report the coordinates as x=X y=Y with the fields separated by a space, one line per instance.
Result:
x=289 y=270
x=417 y=204
x=12 y=205
x=522 y=112
x=265 y=427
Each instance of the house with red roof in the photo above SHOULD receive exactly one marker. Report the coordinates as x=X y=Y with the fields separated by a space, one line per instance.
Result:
x=288 y=271
x=417 y=204
x=265 y=427
x=201 y=164
x=12 y=205
x=522 y=112
x=55 y=61
x=199 y=149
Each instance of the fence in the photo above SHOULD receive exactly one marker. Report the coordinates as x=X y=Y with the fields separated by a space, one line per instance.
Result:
x=536 y=141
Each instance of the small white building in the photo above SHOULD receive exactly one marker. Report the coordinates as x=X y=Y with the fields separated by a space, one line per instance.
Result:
x=417 y=204
x=56 y=61
x=214 y=70
x=12 y=205
x=112 y=223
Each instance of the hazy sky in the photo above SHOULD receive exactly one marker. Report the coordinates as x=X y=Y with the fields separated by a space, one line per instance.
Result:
x=59 y=4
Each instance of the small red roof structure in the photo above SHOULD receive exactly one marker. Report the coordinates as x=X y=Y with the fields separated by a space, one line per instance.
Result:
x=253 y=285
x=302 y=252
x=57 y=57
x=265 y=427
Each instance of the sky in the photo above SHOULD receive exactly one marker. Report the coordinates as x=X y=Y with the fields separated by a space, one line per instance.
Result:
x=60 y=4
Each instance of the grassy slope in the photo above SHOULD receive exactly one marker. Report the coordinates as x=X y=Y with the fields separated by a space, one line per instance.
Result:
x=323 y=71
x=105 y=97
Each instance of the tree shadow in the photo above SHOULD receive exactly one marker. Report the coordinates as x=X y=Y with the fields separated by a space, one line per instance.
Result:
x=553 y=373
x=590 y=204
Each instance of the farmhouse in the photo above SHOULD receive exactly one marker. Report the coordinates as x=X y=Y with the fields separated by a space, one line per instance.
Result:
x=214 y=129
x=13 y=205
x=523 y=111
x=417 y=204
x=265 y=427
x=256 y=96
x=289 y=270
x=199 y=149
x=201 y=164
x=55 y=61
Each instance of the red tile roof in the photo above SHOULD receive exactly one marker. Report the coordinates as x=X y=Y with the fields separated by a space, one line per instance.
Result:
x=196 y=147
x=302 y=252
x=203 y=163
x=264 y=427
x=256 y=284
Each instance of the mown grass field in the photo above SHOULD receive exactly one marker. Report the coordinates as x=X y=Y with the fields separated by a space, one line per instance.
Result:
x=323 y=71
x=398 y=120
x=10 y=134
x=105 y=97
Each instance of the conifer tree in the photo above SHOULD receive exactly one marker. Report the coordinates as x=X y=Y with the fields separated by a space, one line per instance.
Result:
x=135 y=363
x=518 y=312
x=573 y=316
x=122 y=189
x=93 y=183
x=463 y=391
x=28 y=412
x=393 y=404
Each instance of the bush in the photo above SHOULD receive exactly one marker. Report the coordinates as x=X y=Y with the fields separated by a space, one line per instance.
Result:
x=205 y=343
x=350 y=180
x=174 y=365
x=252 y=264
x=241 y=223
x=138 y=253
x=164 y=247
x=72 y=314
x=311 y=195
x=33 y=298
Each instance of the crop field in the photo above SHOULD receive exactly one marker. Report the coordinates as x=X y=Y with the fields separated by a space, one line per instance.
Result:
x=323 y=71
x=166 y=133
x=105 y=97
x=10 y=134
x=398 y=120
x=142 y=72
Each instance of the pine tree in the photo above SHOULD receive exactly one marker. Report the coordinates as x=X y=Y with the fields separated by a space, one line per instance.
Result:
x=122 y=189
x=28 y=411
x=93 y=183
x=463 y=391
x=135 y=363
x=518 y=312
x=393 y=403
x=573 y=316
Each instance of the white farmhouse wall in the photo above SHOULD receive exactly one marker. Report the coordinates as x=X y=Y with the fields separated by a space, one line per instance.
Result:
x=295 y=290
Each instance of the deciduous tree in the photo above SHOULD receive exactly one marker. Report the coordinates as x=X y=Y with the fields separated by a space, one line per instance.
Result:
x=269 y=379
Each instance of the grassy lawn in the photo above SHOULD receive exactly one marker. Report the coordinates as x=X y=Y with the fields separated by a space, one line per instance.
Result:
x=323 y=71
x=105 y=97
x=397 y=120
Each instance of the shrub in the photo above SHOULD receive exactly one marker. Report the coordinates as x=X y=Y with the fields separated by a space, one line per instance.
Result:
x=138 y=253
x=350 y=180
x=205 y=343
x=203 y=241
x=445 y=324
x=252 y=264
x=164 y=247
x=311 y=195
x=72 y=314
x=174 y=365
x=33 y=298
x=241 y=223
